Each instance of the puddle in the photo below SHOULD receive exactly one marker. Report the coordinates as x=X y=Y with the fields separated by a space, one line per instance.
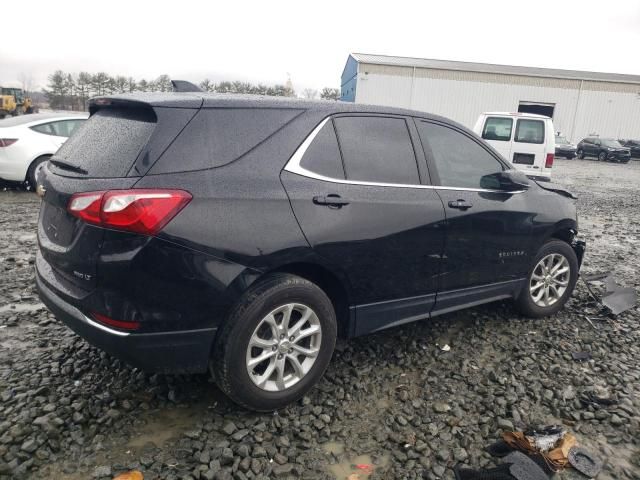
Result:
x=348 y=468
x=21 y=307
x=164 y=426
x=335 y=448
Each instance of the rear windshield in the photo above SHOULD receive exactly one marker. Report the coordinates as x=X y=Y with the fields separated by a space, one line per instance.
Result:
x=109 y=142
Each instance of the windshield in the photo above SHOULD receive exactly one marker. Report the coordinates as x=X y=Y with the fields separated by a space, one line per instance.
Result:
x=608 y=142
x=561 y=139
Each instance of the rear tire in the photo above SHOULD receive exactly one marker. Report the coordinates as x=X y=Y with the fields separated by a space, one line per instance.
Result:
x=581 y=154
x=33 y=170
x=558 y=284
x=264 y=324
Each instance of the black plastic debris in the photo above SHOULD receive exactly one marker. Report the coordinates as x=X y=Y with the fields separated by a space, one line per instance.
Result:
x=584 y=462
x=524 y=468
x=620 y=300
x=500 y=472
x=499 y=449
x=516 y=466
x=581 y=356
x=616 y=297
x=596 y=401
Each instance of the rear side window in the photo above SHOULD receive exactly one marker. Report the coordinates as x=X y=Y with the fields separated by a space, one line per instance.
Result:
x=65 y=128
x=108 y=143
x=497 y=128
x=218 y=136
x=377 y=149
x=62 y=128
x=45 y=128
x=529 y=131
x=323 y=155
x=459 y=160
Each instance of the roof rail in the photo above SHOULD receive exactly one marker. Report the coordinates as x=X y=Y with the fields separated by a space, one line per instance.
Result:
x=184 y=86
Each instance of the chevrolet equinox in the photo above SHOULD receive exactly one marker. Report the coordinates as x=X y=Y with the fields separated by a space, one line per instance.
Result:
x=183 y=232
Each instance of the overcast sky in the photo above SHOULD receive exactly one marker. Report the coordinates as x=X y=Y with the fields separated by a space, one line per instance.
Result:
x=263 y=41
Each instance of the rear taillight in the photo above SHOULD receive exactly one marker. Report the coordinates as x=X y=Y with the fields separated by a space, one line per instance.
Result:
x=141 y=211
x=125 y=325
x=5 y=142
x=549 y=161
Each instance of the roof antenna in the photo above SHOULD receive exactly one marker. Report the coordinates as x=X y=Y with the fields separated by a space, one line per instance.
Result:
x=184 y=86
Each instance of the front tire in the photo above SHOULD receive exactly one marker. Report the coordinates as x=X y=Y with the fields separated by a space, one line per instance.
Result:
x=276 y=343
x=602 y=156
x=551 y=280
x=581 y=154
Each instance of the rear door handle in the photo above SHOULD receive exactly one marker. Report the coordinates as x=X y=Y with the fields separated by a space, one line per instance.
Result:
x=460 y=204
x=332 y=201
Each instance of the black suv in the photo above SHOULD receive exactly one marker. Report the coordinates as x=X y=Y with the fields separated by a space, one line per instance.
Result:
x=604 y=149
x=633 y=146
x=185 y=231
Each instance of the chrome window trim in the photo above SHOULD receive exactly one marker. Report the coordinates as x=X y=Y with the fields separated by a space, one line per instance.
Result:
x=293 y=166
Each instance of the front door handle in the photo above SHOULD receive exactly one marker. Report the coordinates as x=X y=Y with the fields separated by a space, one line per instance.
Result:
x=332 y=201
x=460 y=204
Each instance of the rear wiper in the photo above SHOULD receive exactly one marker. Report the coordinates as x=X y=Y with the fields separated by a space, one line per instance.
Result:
x=68 y=166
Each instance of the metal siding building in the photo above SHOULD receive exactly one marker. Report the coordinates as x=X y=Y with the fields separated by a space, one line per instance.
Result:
x=583 y=103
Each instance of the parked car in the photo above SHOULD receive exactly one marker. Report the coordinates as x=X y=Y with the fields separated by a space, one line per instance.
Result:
x=524 y=139
x=185 y=231
x=28 y=140
x=604 y=149
x=564 y=148
x=633 y=146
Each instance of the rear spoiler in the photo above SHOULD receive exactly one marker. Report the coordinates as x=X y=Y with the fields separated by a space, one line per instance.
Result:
x=184 y=86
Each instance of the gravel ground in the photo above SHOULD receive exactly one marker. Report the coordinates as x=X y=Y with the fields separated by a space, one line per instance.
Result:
x=394 y=399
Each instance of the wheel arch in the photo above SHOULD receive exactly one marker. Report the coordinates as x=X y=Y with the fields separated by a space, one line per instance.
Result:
x=333 y=284
x=32 y=163
x=567 y=231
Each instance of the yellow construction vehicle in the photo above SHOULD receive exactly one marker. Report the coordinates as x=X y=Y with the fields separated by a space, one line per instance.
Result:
x=13 y=101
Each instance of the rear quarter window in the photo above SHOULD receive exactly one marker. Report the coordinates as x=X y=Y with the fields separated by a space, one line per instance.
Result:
x=218 y=136
x=109 y=142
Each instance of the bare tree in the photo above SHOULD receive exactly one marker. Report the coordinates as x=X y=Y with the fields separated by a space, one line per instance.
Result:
x=310 y=93
x=329 y=93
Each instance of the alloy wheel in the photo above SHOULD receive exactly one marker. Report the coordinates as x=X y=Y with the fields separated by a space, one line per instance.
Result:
x=549 y=280
x=283 y=347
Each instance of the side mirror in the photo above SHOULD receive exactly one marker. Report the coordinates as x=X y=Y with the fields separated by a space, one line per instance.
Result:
x=507 y=181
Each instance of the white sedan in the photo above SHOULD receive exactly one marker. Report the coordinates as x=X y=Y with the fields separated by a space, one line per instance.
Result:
x=29 y=140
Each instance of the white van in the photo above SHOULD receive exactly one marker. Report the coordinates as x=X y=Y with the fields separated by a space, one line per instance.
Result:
x=525 y=139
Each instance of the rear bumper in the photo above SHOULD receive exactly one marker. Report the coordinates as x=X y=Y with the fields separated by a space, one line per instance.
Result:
x=167 y=352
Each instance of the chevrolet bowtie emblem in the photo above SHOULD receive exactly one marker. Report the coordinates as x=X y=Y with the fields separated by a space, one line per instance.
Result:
x=40 y=191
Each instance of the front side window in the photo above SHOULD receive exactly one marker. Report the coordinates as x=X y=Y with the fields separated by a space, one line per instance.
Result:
x=529 y=131
x=323 y=155
x=497 y=128
x=377 y=149
x=459 y=160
